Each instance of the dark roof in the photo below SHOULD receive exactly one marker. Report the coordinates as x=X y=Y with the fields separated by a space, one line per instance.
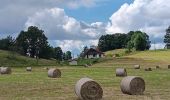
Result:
x=91 y=49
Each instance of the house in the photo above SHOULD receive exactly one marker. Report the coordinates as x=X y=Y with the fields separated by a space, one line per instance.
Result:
x=73 y=62
x=93 y=53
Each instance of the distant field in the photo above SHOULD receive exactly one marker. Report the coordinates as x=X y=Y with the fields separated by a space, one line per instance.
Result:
x=158 y=55
x=22 y=85
x=35 y=85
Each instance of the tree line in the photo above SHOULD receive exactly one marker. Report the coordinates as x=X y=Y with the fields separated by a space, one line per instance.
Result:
x=133 y=40
x=33 y=43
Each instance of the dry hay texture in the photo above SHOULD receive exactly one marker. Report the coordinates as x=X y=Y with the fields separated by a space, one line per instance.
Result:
x=157 y=67
x=168 y=66
x=88 y=89
x=29 y=69
x=148 y=69
x=121 y=72
x=137 y=66
x=5 y=70
x=86 y=65
x=54 y=73
x=132 y=85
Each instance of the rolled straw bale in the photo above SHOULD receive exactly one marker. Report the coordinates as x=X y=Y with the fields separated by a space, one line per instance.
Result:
x=157 y=67
x=121 y=72
x=148 y=69
x=46 y=68
x=168 y=66
x=86 y=65
x=137 y=66
x=5 y=70
x=54 y=73
x=88 y=89
x=29 y=69
x=132 y=85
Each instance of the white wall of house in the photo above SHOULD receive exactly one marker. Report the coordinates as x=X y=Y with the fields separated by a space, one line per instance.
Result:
x=96 y=56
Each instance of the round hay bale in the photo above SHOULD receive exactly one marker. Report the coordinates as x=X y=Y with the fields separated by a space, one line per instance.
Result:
x=157 y=67
x=168 y=66
x=29 y=69
x=132 y=85
x=46 y=68
x=88 y=89
x=137 y=66
x=86 y=65
x=54 y=73
x=148 y=69
x=6 y=70
x=121 y=72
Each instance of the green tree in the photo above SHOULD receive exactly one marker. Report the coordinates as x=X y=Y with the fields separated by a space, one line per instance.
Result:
x=138 y=40
x=113 y=41
x=58 y=53
x=32 y=41
x=68 y=55
x=7 y=43
x=167 y=38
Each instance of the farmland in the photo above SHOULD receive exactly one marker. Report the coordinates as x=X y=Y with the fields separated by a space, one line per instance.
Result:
x=36 y=84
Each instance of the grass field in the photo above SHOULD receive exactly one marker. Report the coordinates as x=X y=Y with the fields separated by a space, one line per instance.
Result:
x=35 y=85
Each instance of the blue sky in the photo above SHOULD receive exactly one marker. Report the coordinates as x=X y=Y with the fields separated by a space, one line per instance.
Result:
x=100 y=12
x=73 y=24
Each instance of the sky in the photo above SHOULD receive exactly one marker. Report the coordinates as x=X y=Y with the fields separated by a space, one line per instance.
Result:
x=73 y=24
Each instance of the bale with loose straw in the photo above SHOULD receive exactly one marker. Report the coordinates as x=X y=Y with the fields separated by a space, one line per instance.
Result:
x=121 y=72
x=88 y=89
x=54 y=73
x=132 y=85
x=157 y=67
x=5 y=70
x=168 y=66
x=137 y=66
x=29 y=69
x=148 y=69
x=85 y=65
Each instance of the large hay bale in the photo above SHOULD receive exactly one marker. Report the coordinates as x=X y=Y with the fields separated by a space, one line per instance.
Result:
x=29 y=69
x=157 y=67
x=137 y=66
x=121 y=72
x=148 y=69
x=45 y=68
x=168 y=66
x=5 y=70
x=132 y=85
x=54 y=73
x=86 y=65
x=88 y=89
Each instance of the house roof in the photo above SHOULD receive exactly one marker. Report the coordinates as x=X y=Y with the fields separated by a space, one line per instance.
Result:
x=91 y=49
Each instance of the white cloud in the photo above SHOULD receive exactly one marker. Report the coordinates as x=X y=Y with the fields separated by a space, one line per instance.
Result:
x=59 y=26
x=75 y=46
x=157 y=46
x=150 y=16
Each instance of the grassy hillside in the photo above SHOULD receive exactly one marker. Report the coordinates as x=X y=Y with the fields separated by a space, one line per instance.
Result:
x=118 y=52
x=36 y=85
x=158 y=55
x=13 y=59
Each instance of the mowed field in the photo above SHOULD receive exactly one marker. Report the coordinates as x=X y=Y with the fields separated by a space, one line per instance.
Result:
x=36 y=85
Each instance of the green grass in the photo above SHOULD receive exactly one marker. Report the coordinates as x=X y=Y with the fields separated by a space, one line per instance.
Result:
x=118 y=52
x=158 y=55
x=36 y=85
x=13 y=59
